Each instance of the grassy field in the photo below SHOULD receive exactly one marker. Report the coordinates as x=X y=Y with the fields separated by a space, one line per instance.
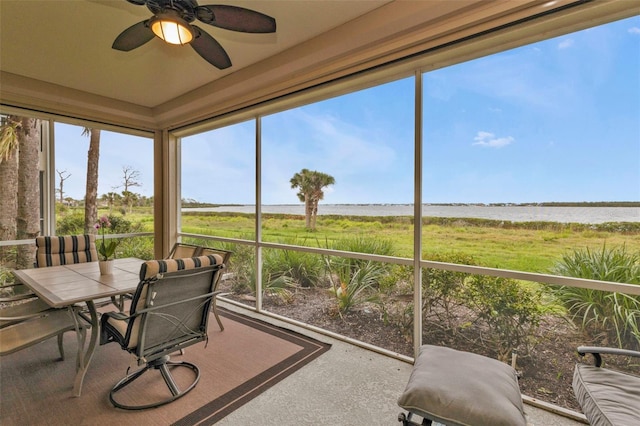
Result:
x=532 y=247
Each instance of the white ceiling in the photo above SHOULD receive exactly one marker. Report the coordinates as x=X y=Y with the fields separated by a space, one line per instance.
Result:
x=68 y=43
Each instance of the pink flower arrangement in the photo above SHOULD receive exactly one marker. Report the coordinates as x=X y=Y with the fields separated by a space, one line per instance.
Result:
x=106 y=249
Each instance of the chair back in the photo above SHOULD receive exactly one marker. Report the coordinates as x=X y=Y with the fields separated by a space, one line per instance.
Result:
x=182 y=250
x=225 y=254
x=170 y=308
x=54 y=250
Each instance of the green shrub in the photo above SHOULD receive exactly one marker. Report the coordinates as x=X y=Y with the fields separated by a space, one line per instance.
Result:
x=6 y=276
x=398 y=279
x=241 y=261
x=442 y=290
x=272 y=284
x=120 y=225
x=511 y=311
x=140 y=247
x=360 y=244
x=356 y=286
x=609 y=264
x=241 y=270
x=611 y=317
x=365 y=244
x=304 y=268
x=71 y=224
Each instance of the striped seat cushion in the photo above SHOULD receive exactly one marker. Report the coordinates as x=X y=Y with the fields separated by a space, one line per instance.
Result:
x=149 y=270
x=54 y=251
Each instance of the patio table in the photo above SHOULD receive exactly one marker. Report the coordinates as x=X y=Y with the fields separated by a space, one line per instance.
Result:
x=66 y=285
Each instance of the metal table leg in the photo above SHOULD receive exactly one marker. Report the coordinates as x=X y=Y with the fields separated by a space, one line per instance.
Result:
x=84 y=359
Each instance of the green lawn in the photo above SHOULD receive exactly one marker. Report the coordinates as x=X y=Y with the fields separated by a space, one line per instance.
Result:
x=533 y=249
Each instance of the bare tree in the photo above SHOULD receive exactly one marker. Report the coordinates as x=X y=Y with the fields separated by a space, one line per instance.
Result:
x=130 y=179
x=63 y=176
x=91 y=193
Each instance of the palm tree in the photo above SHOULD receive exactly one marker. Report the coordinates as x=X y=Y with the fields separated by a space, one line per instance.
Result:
x=91 y=195
x=9 y=187
x=310 y=184
x=28 y=213
x=110 y=198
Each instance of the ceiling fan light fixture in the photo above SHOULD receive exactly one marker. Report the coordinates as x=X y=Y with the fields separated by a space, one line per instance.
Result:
x=170 y=27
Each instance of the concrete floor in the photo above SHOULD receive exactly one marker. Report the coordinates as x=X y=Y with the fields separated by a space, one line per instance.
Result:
x=348 y=385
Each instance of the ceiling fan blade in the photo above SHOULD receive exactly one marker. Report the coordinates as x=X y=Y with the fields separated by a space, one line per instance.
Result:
x=210 y=49
x=134 y=36
x=236 y=18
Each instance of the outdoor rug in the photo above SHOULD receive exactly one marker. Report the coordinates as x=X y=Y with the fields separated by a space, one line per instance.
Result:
x=238 y=364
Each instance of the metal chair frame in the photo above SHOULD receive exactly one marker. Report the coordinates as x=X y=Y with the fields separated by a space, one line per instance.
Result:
x=202 y=251
x=615 y=397
x=156 y=356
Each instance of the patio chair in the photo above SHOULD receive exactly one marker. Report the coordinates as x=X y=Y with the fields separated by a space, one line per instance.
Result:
x=64 y=250
x=23 y=305
x=22 y=302
x=54 y=251
x=182 y=250
x=457 y=388
x=226 y=255
x=71 y=249
x=169 y=312
x=20 y=330
x=607 y=397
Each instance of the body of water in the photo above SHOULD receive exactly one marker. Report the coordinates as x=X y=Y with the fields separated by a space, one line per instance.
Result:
x=507 y=213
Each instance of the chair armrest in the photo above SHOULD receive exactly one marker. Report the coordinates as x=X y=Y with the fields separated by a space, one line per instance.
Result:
x=17 y=298
x=18 y=318
x=26 y=295
x=597 y=350
x=28 y=333
x=120 y=316
x=42 y=313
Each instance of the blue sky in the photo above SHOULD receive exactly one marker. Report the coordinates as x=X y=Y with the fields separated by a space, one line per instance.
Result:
x=558 y=120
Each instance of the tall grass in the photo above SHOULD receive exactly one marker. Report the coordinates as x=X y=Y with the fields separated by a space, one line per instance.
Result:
x=612 y=317
x=306 y=269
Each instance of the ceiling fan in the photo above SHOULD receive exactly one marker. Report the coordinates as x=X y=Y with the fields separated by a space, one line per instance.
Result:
x=171 y=22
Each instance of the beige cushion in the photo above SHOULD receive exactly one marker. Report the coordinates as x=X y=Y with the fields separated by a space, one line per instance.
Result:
x=54 y=251
x=607 y=397
x=462 y=388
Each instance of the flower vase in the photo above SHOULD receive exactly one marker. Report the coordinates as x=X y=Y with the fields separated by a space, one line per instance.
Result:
x=106 y=267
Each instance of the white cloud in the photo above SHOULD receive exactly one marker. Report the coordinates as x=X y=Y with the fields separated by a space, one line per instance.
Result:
x=489 y=140
x=565 y=44
x=634 y=30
